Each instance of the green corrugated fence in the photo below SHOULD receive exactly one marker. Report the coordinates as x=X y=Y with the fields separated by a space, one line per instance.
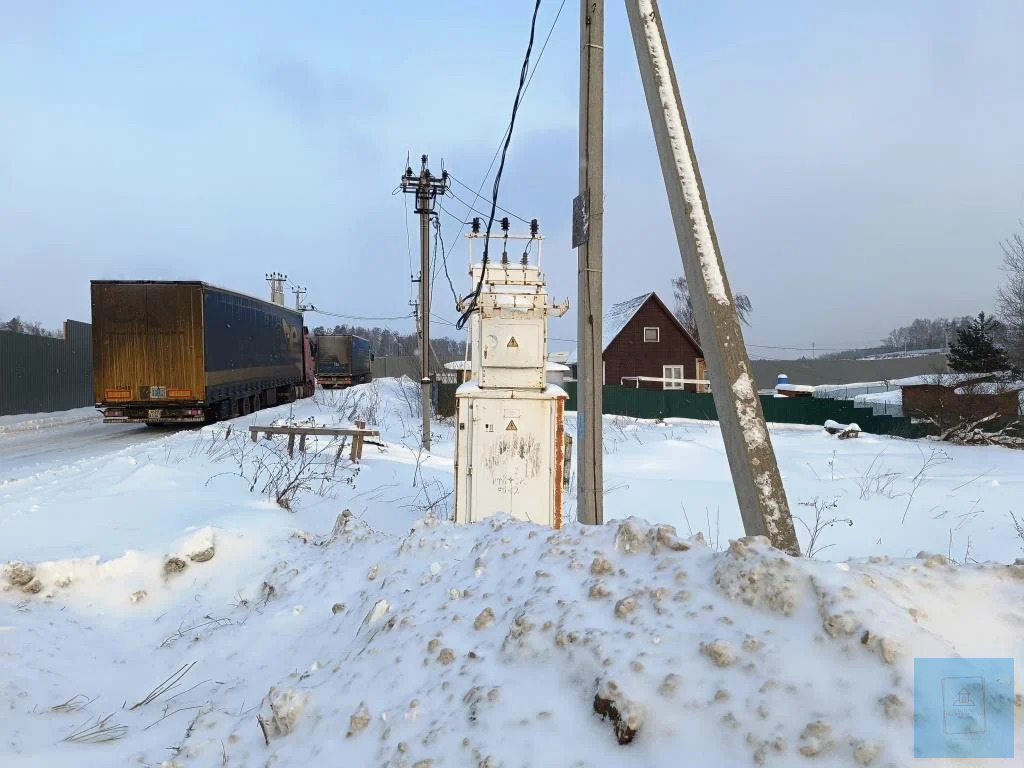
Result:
x=666 y=404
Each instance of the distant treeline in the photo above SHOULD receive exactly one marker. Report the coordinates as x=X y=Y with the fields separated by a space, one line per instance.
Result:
x=936 y=333
x=17 y=325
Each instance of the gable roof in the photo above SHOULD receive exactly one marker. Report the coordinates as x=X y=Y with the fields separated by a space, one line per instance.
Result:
x=618 y=316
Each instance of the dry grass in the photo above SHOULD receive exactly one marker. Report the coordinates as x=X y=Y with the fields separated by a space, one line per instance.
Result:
x=96 y=732
x=74 y=704
x=168 y=684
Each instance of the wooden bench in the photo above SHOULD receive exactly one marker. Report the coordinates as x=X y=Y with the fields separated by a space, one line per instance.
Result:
x=358 y=433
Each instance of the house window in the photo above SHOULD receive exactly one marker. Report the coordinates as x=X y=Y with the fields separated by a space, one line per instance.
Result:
x=672 y=376
x=652 y=333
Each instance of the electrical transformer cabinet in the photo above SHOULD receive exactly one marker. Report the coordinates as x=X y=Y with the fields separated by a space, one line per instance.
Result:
x=510 y=351
x=509 y=454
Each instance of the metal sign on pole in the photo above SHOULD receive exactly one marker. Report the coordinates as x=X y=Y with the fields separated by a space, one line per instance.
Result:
x=755 y=472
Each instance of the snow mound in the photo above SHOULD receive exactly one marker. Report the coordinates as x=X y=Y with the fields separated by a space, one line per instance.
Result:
x=117 y=582
x=506 y=643
x=759 y=576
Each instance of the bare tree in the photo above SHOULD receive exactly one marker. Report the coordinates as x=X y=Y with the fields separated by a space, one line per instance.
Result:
x=684 y=306
x=1010 y=297
x=32 y=328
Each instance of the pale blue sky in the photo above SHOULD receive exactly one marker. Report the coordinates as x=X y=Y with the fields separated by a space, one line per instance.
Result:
x=862 y=161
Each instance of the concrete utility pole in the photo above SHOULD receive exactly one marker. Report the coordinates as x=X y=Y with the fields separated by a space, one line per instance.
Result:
x=426 y=187
x=755 y=473
x=276 y=280
x=299 y=293
x=588 y=217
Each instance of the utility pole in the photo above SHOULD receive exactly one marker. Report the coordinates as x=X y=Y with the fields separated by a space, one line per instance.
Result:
x=755 y=472
x=588 y=235
x=426 y=187
x=276 y=280
x=299 y=293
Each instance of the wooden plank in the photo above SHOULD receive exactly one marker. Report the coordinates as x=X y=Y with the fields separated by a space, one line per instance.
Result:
x=358 y=439
x=291 y=445
x=321 y=431
x=302 y=442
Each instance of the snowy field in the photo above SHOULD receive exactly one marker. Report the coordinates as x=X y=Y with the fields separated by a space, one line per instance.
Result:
x=195 y=599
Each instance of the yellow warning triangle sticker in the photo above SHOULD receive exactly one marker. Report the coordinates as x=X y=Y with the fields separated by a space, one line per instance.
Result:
x=511 y=427
x=512 y=342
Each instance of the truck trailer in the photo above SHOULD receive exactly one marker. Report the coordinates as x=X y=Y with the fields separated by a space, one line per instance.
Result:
x=342 y=360
x=177 y=352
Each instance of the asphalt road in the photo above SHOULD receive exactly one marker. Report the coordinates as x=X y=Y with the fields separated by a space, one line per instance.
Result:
x=24 y=453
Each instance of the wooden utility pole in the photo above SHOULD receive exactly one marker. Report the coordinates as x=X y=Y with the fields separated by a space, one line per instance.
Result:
x=588 y=222
x=755 y=472
x=426 y=187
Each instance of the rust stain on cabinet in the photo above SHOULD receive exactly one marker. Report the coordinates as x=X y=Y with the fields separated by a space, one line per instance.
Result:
x=559 y=457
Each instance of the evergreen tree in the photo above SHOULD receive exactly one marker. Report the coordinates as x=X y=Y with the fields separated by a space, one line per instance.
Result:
x=975 y=351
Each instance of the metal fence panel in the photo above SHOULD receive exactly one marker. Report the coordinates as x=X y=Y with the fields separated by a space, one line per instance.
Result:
x=39 y=374
x=819 y=371
x=664 y=404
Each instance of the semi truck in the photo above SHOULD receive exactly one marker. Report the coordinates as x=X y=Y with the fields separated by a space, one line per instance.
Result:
x=342 y=360
x=180 y=352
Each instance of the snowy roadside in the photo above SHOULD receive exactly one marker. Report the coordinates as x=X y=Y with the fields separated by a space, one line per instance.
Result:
x=27 y=422
x=388 y=636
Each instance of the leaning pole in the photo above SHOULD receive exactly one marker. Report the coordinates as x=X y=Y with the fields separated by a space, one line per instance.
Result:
x=755 y=471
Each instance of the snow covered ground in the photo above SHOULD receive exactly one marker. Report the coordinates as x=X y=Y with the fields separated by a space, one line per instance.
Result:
x=166 y=610
x=34 y=421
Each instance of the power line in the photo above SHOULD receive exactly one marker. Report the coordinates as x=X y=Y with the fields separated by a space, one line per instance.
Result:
x=408 y=236
x=459 y=219
x=357 y=317
x=809 y=349
x=501 y=169
x=540 y=55
x=766 y=346
x=444 y=256
x=503 y=210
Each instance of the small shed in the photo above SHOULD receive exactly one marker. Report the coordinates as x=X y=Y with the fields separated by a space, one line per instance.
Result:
x=555 y=372
x=465 y=366
x=948 y=399
x=794 y=390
